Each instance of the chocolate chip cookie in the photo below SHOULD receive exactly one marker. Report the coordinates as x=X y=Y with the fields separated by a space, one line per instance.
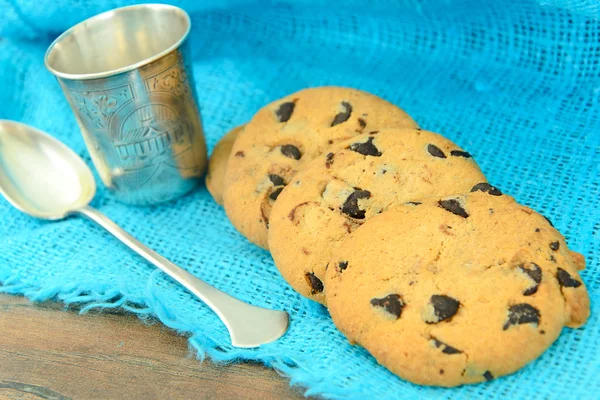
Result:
x=456 y=290
x=284 y=136
x=217 y=164
x=340 y=190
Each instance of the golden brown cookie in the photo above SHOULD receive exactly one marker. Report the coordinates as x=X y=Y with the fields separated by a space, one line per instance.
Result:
x=284 y=136
x=455 y=290
x=338 y=191
x=215 y=177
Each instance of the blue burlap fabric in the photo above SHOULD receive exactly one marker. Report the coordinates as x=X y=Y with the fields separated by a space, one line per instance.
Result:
x=515 y=82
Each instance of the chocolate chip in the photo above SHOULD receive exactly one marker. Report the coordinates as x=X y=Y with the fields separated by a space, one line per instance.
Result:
x=291 y=151
x=565 y=279
x=554 y=245
x=285 y=110
x=366 y=149
x=552 y=258
x=240 y=154
x=435 y=151
x=329 y=160
x=276 y=180
x=535 y=273
x=342 y=265
x=441 y=372
x=392 y=303
x=445 y=348
x=459 y=153
x=344 y=115
x=548 y=219
x=522 y=314
x=315 y=283
x=444 y=307
x=537 y=230
x=454 y=207
x=451 y=350
x=414 y=203
x=362 y=123
x=488 y=376
x=275 y=194
x=487 y=188
x=350 y=206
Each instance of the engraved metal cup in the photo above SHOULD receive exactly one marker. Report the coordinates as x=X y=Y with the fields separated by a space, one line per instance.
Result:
x=125 y=75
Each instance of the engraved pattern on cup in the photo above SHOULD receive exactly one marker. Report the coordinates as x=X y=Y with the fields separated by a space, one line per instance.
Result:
x=141 y=124
x=141 y=135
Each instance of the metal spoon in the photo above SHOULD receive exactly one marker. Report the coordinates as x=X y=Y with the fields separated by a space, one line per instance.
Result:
x=45 y=179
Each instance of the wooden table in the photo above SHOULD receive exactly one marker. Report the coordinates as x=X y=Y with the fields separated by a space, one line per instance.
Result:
x=49 y=353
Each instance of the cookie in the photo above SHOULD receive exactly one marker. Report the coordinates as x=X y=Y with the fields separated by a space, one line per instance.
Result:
x=284 y=136
x=455 y=290
x=339 y=191
x=217 y=164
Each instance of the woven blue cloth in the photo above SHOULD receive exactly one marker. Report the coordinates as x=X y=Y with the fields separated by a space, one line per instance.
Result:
x=515 y=82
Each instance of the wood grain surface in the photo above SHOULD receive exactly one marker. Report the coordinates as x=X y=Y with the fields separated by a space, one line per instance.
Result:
x=49 y=353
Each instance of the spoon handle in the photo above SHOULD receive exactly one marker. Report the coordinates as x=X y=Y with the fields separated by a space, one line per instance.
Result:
x=248 y=325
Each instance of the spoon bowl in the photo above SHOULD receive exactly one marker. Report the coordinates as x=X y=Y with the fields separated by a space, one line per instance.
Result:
x=66 y=184
x=45 y=179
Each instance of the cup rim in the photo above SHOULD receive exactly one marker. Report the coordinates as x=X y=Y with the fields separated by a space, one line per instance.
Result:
x=126 y=68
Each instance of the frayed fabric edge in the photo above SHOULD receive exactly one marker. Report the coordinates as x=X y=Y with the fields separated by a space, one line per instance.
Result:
x=149 y=308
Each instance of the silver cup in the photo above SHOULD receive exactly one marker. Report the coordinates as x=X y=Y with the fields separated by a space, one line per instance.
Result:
x=125 y=75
